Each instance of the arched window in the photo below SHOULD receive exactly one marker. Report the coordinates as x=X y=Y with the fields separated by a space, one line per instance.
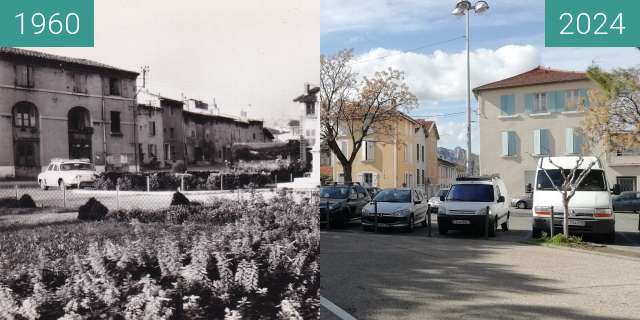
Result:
x=78 y=119
x=25 y=115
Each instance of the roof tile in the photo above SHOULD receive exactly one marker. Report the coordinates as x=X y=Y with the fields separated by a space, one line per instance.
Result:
x=538 y=75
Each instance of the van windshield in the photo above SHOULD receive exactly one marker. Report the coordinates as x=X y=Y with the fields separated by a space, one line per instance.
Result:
x=471 y=193
x=594 y=181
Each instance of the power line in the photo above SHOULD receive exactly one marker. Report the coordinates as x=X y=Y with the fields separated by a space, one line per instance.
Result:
x=409 y=50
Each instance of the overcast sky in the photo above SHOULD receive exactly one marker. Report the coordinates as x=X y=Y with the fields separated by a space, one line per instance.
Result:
x=242 y=52
x=422 y=38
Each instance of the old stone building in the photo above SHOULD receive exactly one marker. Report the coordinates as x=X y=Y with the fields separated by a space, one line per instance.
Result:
x=53 y=106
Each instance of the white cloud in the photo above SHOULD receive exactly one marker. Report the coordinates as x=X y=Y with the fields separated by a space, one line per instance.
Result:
x=441 y=76
x=454 y=134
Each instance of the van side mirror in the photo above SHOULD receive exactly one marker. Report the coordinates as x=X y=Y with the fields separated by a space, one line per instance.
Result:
x=500 y=199
x=441 y=198
x=616 y=189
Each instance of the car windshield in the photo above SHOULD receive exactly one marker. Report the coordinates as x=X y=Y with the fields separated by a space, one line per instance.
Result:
x=471 y=193
x=76 y=167
x=442 y=193
x=393 y=195
x=594 y=181
x=334 y=192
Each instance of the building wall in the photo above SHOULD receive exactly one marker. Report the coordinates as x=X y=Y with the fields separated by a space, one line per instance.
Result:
x=389 y=164
x=420 y=158
x=514 y=169
x=172 y=118
x=431 y=159
x=447 y=175
x=145 y=136
x=53 y=97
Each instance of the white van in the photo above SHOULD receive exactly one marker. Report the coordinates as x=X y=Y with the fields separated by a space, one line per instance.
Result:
x=590 y=209
x=470 y=201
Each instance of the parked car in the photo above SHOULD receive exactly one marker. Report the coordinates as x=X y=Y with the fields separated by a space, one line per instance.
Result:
x=627 y=201
x=590 y=209
x=434 y=202
x=67 y=173
x=473 y=200
x=524 y=201
x=399 y=207
x=341 y=204
x=373 y=191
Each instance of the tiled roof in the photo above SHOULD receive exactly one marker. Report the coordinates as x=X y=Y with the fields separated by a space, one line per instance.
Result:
x=424 y=123
x=539 y=75
x=56 y=58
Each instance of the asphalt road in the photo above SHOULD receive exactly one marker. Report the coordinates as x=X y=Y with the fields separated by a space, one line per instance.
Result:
x=395 y=275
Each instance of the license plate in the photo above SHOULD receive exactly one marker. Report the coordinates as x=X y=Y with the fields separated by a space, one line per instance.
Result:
x=579 y=223
x=460 y=221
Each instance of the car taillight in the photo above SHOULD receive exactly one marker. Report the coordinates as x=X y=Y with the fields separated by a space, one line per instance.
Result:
x=542 y=211
x=602 y=213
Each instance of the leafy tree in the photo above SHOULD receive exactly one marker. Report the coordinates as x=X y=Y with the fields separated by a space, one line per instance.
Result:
x=613 y=120
x=355 y=109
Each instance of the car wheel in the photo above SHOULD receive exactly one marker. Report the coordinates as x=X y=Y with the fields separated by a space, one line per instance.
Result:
x=493 y=228
x=521 y=205
x=442 y=228
x=536 y=233
x=505 y=225
x=43 y=185
x=412 y=224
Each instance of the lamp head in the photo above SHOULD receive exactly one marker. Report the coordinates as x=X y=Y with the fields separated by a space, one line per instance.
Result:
x=458 y=12
x=481 y=6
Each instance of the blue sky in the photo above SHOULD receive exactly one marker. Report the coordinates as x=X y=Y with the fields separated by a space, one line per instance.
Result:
x=506 y=40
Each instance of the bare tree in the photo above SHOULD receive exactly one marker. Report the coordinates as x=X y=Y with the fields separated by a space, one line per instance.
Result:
x=571 y=180
x=355 y=109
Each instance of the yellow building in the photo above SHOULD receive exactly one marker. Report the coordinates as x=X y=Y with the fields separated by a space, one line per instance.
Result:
x=385 y=160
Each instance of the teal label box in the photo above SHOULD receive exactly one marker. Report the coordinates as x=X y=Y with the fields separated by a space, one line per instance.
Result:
x=592 y=23
x=47 y=23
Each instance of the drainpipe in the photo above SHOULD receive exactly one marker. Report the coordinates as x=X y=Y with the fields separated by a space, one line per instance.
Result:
x=104 y=128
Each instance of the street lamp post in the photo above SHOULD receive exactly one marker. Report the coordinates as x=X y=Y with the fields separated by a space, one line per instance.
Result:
x=464 y=7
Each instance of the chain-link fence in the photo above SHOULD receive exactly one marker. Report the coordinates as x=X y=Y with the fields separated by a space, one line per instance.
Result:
x=71 y=198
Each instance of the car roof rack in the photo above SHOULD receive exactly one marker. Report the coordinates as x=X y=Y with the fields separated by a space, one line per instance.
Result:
x=479 y=178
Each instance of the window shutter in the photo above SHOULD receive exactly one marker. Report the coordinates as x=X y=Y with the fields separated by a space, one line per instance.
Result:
x=375 y=180
x=551 y=101
x=507 y=105
x=584 y=97
x=569 y=141
x=560 y=101
x=529 y=101
x=371 y=147
x=364 y=150
x=512 y=143
x=504 y=105
x=577 y=142
x=505 y=143
x=536 y=142
x=544 y=142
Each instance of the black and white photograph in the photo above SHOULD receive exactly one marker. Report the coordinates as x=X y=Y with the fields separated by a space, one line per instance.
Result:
x=169 y=172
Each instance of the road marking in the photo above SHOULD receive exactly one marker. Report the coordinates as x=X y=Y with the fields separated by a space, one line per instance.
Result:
x=337 y=311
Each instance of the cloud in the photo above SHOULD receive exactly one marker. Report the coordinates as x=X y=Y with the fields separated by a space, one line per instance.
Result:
x=441 y=76
x=454 y=134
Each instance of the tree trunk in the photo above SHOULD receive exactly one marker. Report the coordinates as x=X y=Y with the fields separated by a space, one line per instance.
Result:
x=565 y=220
x=347 y=170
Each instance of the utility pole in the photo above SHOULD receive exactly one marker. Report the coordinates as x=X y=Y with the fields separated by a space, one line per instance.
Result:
x=145 y=70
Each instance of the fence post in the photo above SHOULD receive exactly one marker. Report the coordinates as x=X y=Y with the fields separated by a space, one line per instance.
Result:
x=551 y=224
x=221 y=182
x=375 y=216
x=148 y=185
x=17 y=198
x=182 y=183
x=276 y=179
x=117 y=197
x=291 y=177
x=64 y=195
x=429 y=219
x=486 y=224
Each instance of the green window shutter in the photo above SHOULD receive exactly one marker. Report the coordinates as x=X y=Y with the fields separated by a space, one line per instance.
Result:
x=560 y=101
x=536 y=142
x=503 y=105
x=512 y=143
x=551 y=101
x=529 y=100
x=544 y=142
x=507 y=105
x=569 y=141
x=577 y=142
x=585 y=97
x=505 y=143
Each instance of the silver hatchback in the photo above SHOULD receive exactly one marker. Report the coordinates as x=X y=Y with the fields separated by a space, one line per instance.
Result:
x=399 y=207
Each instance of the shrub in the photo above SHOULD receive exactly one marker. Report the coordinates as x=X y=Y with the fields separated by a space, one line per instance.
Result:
x=154 y=182
x=93 y=210
x=103 y=182
x=125 y=183
x=179 y=200
x=179 y=167
x=26 y=202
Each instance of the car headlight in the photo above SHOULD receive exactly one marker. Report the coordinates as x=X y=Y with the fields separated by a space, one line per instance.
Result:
x=404 y=212
x=483 y=211
x=334 y=206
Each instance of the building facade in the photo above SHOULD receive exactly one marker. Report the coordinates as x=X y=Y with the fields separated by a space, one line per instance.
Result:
x=431 y=156
x=385 y=160
x=59 y=107
x=539 y=113
x=447 y=173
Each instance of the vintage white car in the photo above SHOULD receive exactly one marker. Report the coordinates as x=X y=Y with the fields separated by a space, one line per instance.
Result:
x=64 y=173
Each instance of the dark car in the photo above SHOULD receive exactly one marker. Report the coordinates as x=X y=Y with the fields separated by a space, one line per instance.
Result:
x=627 y=201
x=341 y=204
